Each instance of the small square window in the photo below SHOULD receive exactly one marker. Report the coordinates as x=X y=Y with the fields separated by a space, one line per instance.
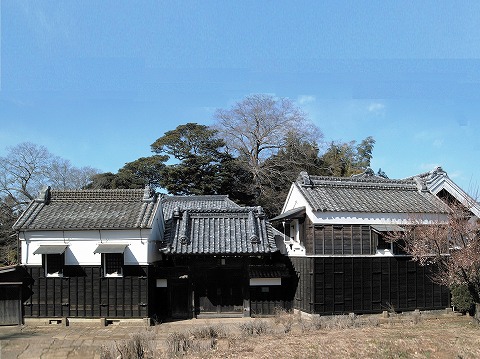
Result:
x=112 y=264
x=383 y=244
x=54 y=264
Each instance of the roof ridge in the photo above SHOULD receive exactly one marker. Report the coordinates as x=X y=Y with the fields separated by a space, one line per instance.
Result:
x=120 y=194
x=375 y=179
x=223 y=210
x=194 y=197
x=362 y=184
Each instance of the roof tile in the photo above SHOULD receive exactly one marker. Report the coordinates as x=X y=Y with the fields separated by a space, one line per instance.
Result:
x=240 y=230
x=371 y=194
x=91 y=209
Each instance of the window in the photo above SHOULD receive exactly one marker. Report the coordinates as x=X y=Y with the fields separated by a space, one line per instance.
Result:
x=54 y=264
x=382 y=243
x=112 y=264
x=383 y=246
x=53 y=258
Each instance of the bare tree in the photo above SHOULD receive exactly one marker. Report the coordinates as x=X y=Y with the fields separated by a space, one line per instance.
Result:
x=25 y=169
x=451 y=247
x=28 y=167
x=63 y=175
x=257 y=127
x=8 y=240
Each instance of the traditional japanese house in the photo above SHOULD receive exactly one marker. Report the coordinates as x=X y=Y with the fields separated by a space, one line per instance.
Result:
x=220 y=259
x=89 y=254
x=336 y=232
x=122 y=253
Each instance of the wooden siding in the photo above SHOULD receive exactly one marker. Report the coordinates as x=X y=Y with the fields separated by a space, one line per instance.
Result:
x=339 y=240
x=334 y=285
x=266 y=300
x=221 y=288
x=86 y=293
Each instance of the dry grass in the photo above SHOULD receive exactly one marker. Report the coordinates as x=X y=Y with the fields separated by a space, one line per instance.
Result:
x=140 y=345
x=358 y=337
x=290 y=336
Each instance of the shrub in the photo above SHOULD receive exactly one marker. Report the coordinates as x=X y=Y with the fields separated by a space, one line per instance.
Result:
x=255 y=327
x=462 y=299
x=178 y=343
x=285 y=318
x=209 y=332
x=108 y=352
x=390 y=308
x=416 y=317
x=317 y=322
x=139 y=346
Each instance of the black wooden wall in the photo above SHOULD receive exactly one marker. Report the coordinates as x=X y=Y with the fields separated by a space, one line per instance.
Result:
x=335 y=285
x=266 y=303
x=83 y=292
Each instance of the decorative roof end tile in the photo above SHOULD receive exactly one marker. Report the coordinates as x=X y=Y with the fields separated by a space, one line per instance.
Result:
x=306 y=179
x=148 y=194
x=421 y=186
x=44 y=195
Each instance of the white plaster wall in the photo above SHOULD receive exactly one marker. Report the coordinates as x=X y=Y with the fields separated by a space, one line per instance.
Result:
x=156 y=235
x=294 y=200
x=82 y=244
x=375 y=218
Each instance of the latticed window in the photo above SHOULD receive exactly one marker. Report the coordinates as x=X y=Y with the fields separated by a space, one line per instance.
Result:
x=113 y=264
x=54 y=264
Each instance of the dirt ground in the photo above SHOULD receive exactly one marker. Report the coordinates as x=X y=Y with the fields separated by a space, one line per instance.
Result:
x=287 y=336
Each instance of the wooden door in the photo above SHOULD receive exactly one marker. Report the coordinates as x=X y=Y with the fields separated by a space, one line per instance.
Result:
x=220 y=293
x=10 y=305
x=180 y=298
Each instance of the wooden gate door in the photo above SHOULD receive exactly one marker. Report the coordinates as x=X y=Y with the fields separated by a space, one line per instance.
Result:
x=220 y=293
x=10 y=305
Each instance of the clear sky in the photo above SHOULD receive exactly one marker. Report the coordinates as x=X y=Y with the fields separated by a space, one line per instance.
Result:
x=96 y=82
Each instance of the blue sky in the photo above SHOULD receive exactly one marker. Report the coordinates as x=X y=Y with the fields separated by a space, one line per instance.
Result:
x=96 y=82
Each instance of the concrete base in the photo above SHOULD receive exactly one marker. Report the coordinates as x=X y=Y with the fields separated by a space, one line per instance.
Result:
x=101 y=322
x=219 y=315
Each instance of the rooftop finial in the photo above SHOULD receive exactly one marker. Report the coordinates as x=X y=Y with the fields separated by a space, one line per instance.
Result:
x=306 y=178
x=43 y=195
x=148 y=194
x=253 y=230
x=421 y=186
x=184 y=228
x=176 y=212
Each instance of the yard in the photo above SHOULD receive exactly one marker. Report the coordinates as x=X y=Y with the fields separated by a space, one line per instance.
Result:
x=285 y=336
x=430 y=338
x=289 y=336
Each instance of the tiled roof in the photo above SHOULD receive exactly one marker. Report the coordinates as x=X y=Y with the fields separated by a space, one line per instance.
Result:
x=169 y=203
x=370 y=194
x=240 y=230
x=278 y=270
x=90 y=209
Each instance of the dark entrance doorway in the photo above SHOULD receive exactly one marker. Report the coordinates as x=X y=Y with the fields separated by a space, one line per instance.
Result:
x=180 y=298
x=219 y=292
